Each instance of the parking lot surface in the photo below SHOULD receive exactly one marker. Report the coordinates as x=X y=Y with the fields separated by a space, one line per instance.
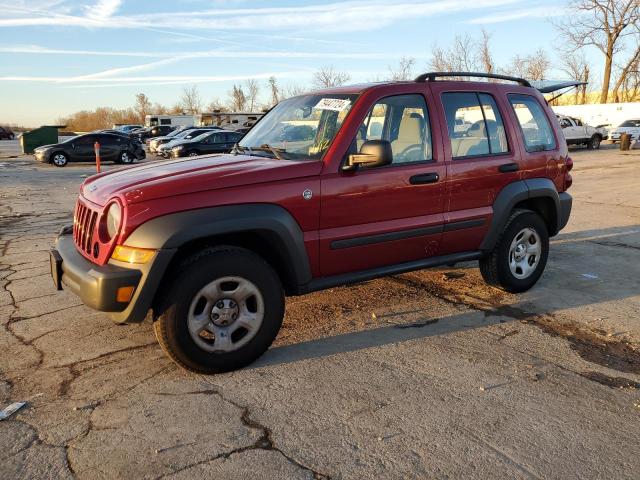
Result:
x=429 y=374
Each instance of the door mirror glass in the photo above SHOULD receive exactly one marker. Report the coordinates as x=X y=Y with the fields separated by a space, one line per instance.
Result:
x=373 y=153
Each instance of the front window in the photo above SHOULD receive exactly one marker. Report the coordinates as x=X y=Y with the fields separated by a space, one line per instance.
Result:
x=299 y=128
x=630 y=123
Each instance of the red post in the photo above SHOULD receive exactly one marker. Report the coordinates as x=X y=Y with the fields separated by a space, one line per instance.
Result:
x=96 y=148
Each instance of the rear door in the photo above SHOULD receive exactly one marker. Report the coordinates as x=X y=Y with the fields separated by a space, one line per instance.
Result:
x=379 y=216
x=481 y=161
x=82 y=148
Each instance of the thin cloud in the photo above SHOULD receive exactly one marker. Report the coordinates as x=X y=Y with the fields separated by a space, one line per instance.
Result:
x=534 y=12
x=334 y=17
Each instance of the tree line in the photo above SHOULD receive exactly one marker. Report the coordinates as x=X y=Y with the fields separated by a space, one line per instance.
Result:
x=610 y=26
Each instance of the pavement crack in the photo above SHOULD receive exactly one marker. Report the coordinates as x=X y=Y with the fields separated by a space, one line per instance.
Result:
x=264 y=442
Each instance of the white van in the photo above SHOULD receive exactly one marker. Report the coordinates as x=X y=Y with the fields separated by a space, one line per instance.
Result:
x=174 y=120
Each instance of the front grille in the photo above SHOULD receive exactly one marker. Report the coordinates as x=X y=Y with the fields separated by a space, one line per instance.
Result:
x=84 y=223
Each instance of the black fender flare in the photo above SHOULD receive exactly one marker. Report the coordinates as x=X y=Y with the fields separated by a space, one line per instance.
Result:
x=172 y=231
x=513 y=194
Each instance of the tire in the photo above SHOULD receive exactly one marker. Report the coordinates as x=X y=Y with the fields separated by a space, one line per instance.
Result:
x=594 y=142
x=12 y=136
x=196 y=326
x=125 y=158
x=502 y=268
x=59 y=159
x=192 y=153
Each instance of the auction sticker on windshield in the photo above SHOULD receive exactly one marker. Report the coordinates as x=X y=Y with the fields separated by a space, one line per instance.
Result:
x=335 y=104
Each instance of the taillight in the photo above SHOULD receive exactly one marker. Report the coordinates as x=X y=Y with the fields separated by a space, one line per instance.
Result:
x=568 y=163
x=568 y=181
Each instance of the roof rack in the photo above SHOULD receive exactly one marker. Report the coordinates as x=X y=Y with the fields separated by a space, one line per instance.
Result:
x=431 y=76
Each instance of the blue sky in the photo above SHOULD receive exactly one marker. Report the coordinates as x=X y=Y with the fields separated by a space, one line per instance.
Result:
x=60 y=56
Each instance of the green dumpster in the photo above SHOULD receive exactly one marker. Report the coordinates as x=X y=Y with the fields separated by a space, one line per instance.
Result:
x=45 y=135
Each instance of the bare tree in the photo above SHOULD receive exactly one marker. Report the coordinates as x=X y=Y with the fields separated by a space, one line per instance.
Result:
x=143 y=106
x=216 y=105
x=577 y=68
x=190 y=100
x=486 y=59
x=538 y=65
x=404 y=70
x=603 y=24
x=462 y=56
x=532 y=67
x=328 y=77
x=275 y=93
x=253 y=89
x=629 y=69
x=238 y=99
x=292 y=90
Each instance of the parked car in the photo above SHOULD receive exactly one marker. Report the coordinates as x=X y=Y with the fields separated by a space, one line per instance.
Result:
x=164 y=149
x=212 y=245
x=115 y=148
x=6 y=134
x=152 y=132
x=216 y=141
x=578 y=133
x=179 y=132
x=631 y=127
x=127 y=128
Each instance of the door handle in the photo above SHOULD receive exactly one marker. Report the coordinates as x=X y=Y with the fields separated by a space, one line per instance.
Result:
x=424 y=178
x=509 y=167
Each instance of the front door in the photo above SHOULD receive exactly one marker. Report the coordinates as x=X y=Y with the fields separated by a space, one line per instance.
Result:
x=390 y=214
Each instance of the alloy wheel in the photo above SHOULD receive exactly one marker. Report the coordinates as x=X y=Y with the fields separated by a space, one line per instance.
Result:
x=524 y=253
x=225 y=314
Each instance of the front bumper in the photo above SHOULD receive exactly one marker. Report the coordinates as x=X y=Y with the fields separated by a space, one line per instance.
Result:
x=42 y=156
x=97 y=285
x=566 y=201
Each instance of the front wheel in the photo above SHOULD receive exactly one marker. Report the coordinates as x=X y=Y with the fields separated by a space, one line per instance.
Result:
x=520 y=255
x=192 y=154
x=59 y=159
x=221 y=312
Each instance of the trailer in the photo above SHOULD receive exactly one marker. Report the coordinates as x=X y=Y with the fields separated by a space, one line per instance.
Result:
x=224 y=119
x=173 y=120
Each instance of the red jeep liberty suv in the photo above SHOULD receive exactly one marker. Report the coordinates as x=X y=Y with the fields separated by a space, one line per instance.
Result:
x=390 y=178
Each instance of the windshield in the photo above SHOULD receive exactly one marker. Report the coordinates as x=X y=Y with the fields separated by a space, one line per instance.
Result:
x=175 y=132
x=630 y=123
x=201 y=137
x=300 y=127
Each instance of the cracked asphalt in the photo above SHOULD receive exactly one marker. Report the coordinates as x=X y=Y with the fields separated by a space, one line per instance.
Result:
x=430 y=374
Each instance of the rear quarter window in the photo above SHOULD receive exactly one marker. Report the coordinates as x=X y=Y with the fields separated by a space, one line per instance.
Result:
x=536 y=130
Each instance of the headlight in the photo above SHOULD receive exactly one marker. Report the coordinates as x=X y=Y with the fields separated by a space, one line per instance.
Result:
x=114 y=216
x=178 y=148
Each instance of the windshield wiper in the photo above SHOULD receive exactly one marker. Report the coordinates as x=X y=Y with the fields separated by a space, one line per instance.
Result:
x=262 y=148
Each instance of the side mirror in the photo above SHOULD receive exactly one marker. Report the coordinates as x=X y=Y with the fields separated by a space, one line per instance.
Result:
x=373 y=153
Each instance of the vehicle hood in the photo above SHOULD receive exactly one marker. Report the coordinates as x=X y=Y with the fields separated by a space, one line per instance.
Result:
x=155 y=180
x=46 y=147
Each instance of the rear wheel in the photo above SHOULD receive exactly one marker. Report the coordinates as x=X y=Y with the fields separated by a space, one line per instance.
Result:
x=520 y=255
x=221 y=312
x=125 y=158
x=594 y=142
x=59 y=159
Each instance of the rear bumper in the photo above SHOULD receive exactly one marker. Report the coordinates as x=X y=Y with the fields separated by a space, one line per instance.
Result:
x=97 y=285
x=566 y=202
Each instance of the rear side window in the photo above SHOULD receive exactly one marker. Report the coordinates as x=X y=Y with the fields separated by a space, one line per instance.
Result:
x=165 y=121
x=536 y=129
x=475 y=125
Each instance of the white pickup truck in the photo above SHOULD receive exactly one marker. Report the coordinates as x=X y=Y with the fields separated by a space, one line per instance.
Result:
x=578 y=133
